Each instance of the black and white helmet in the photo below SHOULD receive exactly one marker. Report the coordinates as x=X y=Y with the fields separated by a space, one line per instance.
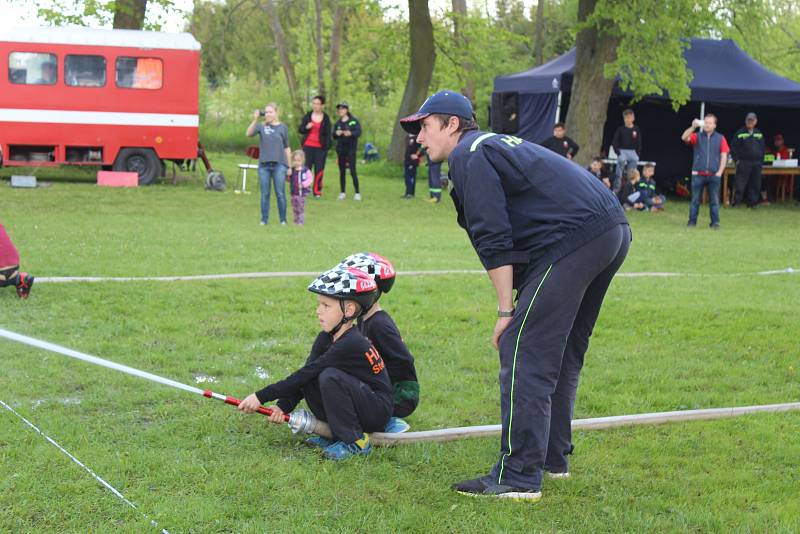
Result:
x=347 y=284
x=376 y=266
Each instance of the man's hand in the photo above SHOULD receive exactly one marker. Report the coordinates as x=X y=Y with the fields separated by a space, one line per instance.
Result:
x=250 y=404
x=277 y=415
x=500 y=327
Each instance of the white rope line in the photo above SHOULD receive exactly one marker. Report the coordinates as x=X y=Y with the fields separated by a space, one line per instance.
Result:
x=312 y=274
x=108 y=486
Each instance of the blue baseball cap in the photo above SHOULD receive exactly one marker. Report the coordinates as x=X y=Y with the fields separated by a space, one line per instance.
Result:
x=445 y=102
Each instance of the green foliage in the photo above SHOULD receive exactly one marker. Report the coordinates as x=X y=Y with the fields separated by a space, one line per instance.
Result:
x=652 y=37
x=99 y=13
x=768 y=30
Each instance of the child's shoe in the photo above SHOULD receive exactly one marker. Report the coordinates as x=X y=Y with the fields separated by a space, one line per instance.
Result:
x=24 y=283
x=318 y=442
x=341 y=450
x=341 y=196
x=357 y=196
x=396 y=426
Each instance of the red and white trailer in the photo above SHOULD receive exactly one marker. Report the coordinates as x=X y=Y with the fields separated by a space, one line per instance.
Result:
x=120 y=99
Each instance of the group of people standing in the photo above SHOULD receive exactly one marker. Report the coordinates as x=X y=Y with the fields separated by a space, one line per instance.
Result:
x=304 y=169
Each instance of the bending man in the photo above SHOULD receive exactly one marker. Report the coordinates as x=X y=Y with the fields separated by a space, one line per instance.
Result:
x=548 y=229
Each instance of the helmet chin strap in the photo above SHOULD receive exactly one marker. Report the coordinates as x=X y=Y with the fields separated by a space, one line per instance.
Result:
x=345 y=318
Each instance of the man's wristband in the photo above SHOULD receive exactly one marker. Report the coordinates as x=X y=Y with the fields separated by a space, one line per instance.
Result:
x=505 y=313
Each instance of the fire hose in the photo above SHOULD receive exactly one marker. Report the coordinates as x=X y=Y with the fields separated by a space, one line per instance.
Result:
x=303 y=422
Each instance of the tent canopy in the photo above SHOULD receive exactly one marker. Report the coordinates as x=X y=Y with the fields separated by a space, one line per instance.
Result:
x=728 y=81
x=723 y=73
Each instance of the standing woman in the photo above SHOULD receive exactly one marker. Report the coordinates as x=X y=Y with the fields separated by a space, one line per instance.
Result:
x=346 y=131
x=315 y=127
x=273 y=158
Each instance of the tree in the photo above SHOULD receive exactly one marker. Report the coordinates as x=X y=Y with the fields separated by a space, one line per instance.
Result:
x=336 y=47
x=420 y=70
x=283 y=51
x=538 y=43
x=461 y=40
x=129 y=14
x=642 y=44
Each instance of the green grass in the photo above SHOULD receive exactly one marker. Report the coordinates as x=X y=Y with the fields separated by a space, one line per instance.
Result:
x=717 y=337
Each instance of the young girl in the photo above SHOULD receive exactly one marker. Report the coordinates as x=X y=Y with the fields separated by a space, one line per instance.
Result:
x=299 y=180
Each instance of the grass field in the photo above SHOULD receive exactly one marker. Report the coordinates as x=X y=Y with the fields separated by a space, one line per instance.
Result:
x=718 y=335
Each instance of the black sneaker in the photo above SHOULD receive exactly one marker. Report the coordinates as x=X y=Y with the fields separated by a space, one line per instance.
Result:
x=482 y=487
x=691 y=224
x=24 y=283
x=715 y=226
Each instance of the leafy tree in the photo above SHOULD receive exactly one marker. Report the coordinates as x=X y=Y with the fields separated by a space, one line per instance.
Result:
x=125 y=14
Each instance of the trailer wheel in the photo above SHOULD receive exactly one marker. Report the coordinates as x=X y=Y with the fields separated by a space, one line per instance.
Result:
x=139 y=160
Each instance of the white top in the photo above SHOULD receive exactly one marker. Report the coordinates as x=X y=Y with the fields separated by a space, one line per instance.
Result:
x=92 y=36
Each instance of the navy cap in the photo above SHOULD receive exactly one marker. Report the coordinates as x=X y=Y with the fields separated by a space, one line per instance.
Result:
x=444 y=102
x=343 y=104
x=751 y=115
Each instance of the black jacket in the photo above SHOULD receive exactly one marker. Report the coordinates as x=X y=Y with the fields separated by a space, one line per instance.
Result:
x=627 y=139
x=523 y=205
x=346 y=143
x=748 y=146
x=352 y=353
x=562 y=146
x=324 y=130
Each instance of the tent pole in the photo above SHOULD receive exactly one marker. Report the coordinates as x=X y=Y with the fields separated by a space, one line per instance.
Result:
x=558 y=108
x=702 y=109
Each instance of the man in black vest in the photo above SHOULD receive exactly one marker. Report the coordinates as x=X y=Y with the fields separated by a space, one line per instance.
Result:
x=551 y=231
x=710 y=156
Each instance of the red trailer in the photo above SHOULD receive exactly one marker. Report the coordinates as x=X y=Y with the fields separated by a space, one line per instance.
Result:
x=120 y=99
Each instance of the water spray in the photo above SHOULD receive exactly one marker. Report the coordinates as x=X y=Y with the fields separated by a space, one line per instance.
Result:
x=300 y=421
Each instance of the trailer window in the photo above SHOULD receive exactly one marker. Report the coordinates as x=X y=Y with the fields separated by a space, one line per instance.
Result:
x=139 y=72
x=32 y=68
x=85 y=71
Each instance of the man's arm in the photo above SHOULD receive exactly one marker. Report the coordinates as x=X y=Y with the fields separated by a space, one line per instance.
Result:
x=723 y=157
x=503 y=281
x=687 y=133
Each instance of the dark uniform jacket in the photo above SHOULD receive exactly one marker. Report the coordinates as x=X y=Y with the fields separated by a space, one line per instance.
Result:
x=748 y=146
x=562 y=146
x=524 y=205
x=347 y=143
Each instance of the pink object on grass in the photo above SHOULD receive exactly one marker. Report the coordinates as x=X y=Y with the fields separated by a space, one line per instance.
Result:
x=117 y=179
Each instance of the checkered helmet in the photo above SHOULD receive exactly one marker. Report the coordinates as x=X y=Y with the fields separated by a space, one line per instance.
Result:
x=347 y=284
x=377 y=267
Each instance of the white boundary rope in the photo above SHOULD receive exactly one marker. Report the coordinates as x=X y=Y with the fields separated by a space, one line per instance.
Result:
x=311 y=274
x=108 y=486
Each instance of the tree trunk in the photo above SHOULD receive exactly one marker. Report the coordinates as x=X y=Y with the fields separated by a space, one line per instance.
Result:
x=320 y=51
x=336 y=47
x=129 y=14
x=538 y=45
x=462 y=42
x=420 y=71
x=283 y=51
x=591 y=91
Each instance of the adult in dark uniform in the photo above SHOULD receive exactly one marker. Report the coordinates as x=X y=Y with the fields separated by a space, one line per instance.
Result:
x=747 y=150
x=551 y=231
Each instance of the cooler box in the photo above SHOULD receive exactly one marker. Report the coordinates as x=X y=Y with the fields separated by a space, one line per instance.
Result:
x=117 y=179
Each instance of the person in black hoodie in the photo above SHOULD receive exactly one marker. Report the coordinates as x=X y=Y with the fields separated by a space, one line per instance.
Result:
x=346 y=131
x=551 y=231
x=315 y=128
x=560 y=143
x=344 y=380
x=747 y=150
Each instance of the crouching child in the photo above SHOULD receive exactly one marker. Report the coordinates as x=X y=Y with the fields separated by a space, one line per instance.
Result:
x=10 y=275
x=379 y=327
x=344 y=380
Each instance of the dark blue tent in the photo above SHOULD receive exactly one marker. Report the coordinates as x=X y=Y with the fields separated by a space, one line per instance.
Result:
x=726 y=82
